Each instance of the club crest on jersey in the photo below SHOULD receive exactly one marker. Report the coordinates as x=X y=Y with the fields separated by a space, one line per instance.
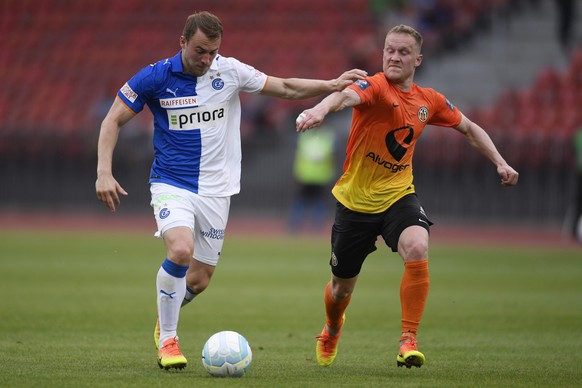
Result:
x=423 y=113
x=333 y=259
x=164 y=213
x=217 y=83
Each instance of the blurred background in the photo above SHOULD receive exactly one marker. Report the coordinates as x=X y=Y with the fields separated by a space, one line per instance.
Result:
x=513 y=66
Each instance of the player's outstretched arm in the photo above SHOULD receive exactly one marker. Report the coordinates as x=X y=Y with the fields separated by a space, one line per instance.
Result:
x=300 y=88
x=106 y=186
x=479 y=139
x=311 y=118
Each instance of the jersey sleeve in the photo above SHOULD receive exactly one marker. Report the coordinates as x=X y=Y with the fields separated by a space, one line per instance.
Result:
x=251 y=80
x=136 y=92
x=366 y=89
x=446 y=114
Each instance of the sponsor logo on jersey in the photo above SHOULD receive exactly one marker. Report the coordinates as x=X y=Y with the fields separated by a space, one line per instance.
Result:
x=178 y=102
x=398 y=148
x=258 y=73
x=397 y=143
x=162 y=200
x=216 y=234
x=423 y=113
x=196 y=118
x=128 y=92
x=393 y=167
x=362 y=84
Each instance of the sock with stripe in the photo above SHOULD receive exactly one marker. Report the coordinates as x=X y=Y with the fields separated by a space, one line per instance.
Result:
x=171 y=287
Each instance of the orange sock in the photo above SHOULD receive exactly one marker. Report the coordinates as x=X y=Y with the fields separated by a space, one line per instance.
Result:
x=334 y=311
x=413 y=294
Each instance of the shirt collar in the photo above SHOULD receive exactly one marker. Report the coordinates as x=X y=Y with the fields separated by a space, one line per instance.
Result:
x=214 y=64
x=176 y=62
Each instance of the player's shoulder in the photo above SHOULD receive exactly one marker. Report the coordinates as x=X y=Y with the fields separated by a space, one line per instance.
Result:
x=239 y=72
x=416 y=88
x=223 y=63
x=427 y=93
x=377 y=80
x=160 y=70
x=435 y=98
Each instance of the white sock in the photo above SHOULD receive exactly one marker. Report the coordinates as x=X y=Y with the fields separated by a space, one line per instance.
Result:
x=171 y=287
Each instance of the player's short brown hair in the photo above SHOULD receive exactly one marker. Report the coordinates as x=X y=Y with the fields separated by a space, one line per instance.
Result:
x=404 y=29
x=204 y=21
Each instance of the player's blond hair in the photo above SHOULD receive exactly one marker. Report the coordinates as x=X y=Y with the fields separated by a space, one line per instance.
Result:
x=204 y=21
x=407 y=30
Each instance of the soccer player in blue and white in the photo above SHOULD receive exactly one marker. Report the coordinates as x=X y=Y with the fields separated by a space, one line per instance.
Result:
x=194 y=98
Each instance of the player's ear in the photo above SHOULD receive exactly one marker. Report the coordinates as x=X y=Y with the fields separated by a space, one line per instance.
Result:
x=418 y=60
x=182 y=41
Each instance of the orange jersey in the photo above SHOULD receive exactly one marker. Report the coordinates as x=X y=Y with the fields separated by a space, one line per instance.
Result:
x=385 y=127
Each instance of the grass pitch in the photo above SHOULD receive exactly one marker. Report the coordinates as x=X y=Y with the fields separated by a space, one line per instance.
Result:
x=78 y=309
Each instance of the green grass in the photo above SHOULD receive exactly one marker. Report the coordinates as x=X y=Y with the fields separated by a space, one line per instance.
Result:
x=78 y=309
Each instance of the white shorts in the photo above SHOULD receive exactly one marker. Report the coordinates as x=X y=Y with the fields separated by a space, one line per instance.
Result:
x=205 y=216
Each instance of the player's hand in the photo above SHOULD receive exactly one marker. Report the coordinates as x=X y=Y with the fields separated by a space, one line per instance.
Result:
x=108 y=191
x=348 y=78
x=509 y=176
x=308 y=119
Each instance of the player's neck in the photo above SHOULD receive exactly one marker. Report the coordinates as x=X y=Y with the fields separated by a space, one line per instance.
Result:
x=405 y=86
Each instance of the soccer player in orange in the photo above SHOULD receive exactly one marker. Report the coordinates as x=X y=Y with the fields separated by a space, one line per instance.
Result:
x=376 y=195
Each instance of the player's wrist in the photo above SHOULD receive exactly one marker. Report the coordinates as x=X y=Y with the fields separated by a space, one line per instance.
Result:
x=102 y=173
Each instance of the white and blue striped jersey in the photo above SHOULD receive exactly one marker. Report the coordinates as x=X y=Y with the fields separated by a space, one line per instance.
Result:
x=197 y=143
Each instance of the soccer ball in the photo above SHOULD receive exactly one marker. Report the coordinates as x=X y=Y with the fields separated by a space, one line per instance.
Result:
x=227 y=354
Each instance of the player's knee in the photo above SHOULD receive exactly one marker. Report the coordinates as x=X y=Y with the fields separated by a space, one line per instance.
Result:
x=414 y=249
x=341 y=292
x=197 y=283
x=413 y=243
x=198 y=277
x=180 y=253
x=197 y=287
